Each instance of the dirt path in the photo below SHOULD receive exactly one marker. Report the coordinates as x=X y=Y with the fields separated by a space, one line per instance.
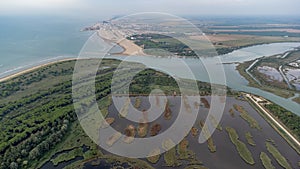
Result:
x=273 y=119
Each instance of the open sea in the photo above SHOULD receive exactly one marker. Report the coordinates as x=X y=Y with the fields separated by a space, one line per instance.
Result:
x=28 y=41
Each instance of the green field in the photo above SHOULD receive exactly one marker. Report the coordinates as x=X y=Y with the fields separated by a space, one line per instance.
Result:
x=223 y=43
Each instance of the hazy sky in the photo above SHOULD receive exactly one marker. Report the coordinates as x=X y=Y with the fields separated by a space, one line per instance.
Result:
x=180 y=7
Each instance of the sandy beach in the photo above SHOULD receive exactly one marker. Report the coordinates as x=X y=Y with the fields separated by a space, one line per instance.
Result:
x=131 y=48
x=32 y=69
x=115 y=36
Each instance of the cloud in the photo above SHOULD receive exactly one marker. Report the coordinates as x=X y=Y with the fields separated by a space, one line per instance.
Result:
x=24 y=6
x=115 y=7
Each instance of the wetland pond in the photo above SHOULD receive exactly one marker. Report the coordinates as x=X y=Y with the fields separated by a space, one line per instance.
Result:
x=226 y=154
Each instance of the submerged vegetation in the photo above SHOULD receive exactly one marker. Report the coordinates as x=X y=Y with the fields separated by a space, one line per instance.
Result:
x=155 y=129
x=167 y=112
x=245 y=115
x=211 y=146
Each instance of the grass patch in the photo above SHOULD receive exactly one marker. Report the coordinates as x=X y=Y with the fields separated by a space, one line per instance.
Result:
x=137 y=102
x=249 y=138
x=240 y=146
x=278 y=156
x=246 y=116
x=195 y=167
x=212 y=148
x=182 y=149
x=67 y=156
x=171 y=158
x=266 y=161
x=216 y=124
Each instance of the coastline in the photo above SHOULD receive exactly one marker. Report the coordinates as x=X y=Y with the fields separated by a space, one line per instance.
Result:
x=129 y=47
x=30 y=69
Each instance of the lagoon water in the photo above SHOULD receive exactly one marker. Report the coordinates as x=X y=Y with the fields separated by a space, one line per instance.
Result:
x=233 y=79
x=26 y=42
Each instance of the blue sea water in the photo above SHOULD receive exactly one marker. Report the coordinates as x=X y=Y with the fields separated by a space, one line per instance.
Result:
x=26 y=41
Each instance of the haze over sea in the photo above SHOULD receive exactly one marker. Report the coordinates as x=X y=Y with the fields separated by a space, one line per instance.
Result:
x=28 y=41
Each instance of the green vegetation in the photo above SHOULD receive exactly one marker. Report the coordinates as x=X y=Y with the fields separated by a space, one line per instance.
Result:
x=215 y=123
x=231 y=112
x=278 y=156
x=28 y=139
x=142 y=129
x=224 y=43
x=211 y=146
x=240 y=146
x=245 y=115
x=182 y=149
x=152 y=157
x=265 y=159
x=270 y=87
x=113 y=159
x=289 y=119
x=249 y=138
x=297 y=100
x=278 y=34
x=137 y=102
x=279 y=88
x=171 y=158
x=67 y=156
x=183 y=153
x=195 y=167
x=157 y=41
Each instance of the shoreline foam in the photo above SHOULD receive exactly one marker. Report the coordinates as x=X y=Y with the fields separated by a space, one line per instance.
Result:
x=30 y=69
